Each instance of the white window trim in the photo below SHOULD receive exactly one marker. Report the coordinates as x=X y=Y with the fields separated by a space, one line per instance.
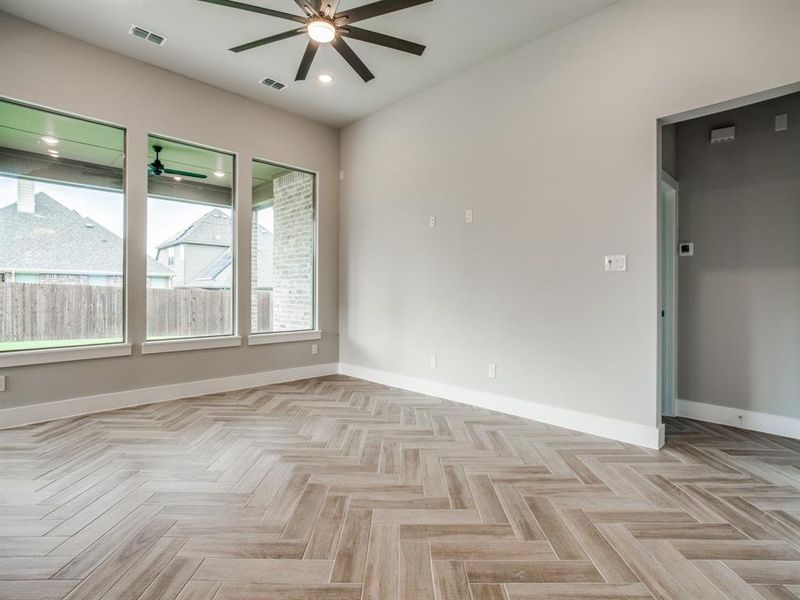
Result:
x=256 y=339
x=184 y=345
x=20 y=358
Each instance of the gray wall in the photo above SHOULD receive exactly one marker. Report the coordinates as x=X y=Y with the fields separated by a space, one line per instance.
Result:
x=47 y=68
x=739 y=295
x=554 y=147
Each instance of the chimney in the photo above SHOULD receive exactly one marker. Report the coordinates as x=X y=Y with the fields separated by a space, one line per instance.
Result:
x=26 y=201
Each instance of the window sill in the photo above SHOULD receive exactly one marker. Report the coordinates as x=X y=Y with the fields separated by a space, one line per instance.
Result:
x=280 y=337
x=44 y=356
x=184 y=345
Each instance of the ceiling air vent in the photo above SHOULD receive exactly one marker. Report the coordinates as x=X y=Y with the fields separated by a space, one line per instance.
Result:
x=275 y=85
x=147 y=35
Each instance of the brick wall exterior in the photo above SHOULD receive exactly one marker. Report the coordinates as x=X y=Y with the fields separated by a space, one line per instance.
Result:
x=254 y=275
x=293 y=262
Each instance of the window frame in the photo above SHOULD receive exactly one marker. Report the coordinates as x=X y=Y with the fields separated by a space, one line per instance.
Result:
x=314 y=332
x=226 y=340
x=123 y=347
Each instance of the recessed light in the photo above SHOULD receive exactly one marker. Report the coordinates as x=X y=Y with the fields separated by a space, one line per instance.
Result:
x=50 y=140
x=178 y=178
x=219 y=174
x=324 y=78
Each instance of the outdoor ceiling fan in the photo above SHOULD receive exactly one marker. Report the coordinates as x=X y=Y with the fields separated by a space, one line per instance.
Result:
x=324 y=25
x=157 y=168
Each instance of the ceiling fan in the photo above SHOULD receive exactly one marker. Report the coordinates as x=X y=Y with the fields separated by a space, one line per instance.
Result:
x=157 y=168
x=324 y=25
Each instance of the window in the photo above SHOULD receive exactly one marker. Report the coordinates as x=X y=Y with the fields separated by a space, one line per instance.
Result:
x=190 y=233
x=62 y=207
x=283 y=249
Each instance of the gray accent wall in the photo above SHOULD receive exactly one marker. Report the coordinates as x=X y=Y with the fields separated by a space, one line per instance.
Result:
x=47 y=68
x=739 y=295
x=554 y=146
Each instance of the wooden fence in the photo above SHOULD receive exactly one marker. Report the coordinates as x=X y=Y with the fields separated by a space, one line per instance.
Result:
x=40 y=311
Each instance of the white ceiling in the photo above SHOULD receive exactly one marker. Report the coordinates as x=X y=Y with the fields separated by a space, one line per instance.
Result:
x=457 y=33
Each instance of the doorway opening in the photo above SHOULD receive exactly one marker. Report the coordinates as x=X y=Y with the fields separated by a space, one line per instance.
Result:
x=729 y=263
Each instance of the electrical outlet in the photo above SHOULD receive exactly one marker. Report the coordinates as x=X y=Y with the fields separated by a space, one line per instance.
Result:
x=431 y=222
x=492 y=371
x=2 y=383
x=616 y=262
x=314 y=348
x=433 y=361
x=468 y=215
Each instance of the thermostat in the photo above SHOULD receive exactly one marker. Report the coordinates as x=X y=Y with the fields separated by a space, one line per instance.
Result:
x=685 y=248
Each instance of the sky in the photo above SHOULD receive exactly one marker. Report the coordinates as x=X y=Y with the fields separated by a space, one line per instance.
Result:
x=165 y=218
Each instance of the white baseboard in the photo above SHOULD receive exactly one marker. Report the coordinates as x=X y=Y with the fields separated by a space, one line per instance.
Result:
x=74 y=407
x=755 y=421
x=623 y=431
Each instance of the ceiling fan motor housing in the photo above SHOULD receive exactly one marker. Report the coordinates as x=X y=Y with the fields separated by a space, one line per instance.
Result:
x=157 y=165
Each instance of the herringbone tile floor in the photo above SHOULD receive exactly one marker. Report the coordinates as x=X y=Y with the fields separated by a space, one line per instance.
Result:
x=340 y=489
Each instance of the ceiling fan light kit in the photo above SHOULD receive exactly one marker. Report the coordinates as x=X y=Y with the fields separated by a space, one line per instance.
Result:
x=324 y=25
x=321 y=30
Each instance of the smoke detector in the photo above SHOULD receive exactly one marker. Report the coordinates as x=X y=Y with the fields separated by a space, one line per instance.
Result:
x=150 y=36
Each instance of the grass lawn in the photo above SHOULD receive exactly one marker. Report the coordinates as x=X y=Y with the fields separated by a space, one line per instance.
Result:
x=40 y=344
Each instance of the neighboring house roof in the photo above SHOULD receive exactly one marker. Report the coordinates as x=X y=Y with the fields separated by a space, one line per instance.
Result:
x=208 y=230
x=56 y=239
x=212 y=229
x=217 y=273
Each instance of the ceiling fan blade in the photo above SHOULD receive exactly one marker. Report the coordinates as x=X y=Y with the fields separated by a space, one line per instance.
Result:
x=257 y=9
x=353 y=60
x=331 y=5
x=267 y=40
x=373 y=37
x=308 y=58
x=185 y=173
x=381 y=7
x=150 y=170
x=307 y=6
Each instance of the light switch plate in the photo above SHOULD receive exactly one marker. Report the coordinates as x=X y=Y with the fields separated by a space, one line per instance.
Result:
x=314 y=348
x=782 y=122
x=616 y=262
x=2 y=383
x=433 y=361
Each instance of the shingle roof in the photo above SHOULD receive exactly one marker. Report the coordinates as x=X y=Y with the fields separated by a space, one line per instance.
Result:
x=217 y=273
x=212 y=229
x=57 y=239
